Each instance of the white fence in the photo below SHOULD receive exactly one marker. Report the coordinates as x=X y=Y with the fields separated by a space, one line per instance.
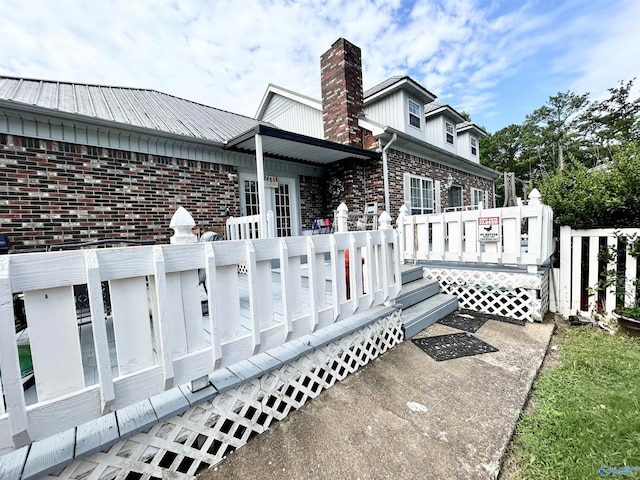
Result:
x=248 y=228
x=157 y=335
x=523 y=235
x=581 y=269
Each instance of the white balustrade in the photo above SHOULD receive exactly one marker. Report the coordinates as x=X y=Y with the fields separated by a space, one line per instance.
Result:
x=247 y=228
x=525 y=235
x=578 y=296
x=156 y=335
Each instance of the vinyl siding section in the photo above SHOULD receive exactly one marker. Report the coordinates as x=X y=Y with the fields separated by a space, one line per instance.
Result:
x=434 y=131
x=464 y=147
x=389 y=111
x=294 y=117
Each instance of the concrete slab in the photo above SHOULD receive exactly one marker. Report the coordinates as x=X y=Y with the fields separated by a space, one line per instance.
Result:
x=406 y=416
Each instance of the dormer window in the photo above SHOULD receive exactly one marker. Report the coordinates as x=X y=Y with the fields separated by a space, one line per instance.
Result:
x=474 y=146
x=448 y=127
x=414 y=114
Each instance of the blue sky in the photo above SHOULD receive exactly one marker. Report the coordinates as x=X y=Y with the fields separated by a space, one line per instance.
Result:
x=498 y=60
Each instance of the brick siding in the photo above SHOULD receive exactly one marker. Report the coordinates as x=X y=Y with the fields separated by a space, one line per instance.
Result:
x=54 y=192
x=342 y=97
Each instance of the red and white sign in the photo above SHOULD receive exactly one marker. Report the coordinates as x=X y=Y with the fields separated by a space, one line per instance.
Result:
x=489 y=229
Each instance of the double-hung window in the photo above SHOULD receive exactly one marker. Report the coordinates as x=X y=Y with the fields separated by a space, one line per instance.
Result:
x=474 y=146
x=420 y=195
x=477 y=196
x=414 y=114
x=449 y=132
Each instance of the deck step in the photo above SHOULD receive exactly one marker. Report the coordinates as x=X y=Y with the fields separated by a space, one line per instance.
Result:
x=427 y=312
x=411 y=274
x=417 y=291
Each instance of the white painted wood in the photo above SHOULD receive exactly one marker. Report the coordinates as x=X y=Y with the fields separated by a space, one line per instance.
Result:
x=313 y=283
x=211 y=282
x=9 y=361
x=610 y=294
x=131 y=324
x=55 y=345
x=227 y=302
x=287 y=308
x=254 y=310
x=592 y=276
x=164 y=328
x=631 y=276
x=565 y=270
x=99 y=328
x=576 y=274
x=437 y=236
x=511 y=234
x=49 y=418
x=33 y=271
x=262 y=195
x=369 y=271
x=335 y=276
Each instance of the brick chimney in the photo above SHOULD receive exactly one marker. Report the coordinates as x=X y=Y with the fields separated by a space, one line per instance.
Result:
x=341 y=78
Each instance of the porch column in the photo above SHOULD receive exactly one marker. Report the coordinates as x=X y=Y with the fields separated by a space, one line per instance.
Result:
x=262 y=196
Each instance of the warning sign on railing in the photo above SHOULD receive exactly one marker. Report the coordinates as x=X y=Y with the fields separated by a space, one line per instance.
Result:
x=489 y=229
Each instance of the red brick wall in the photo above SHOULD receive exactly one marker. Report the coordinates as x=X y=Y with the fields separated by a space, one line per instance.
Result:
x=400 y=162
x=313 y=200
x=363 y=181
x=341 y=87
x=55 y=193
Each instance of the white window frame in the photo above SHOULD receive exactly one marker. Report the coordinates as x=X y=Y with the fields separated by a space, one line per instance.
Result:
x=474 y=146
x=449 y=126
x=415 y=111
x=478 y=196
x=424 y=201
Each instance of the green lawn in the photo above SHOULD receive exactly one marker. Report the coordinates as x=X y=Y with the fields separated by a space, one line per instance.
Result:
x=585 y=411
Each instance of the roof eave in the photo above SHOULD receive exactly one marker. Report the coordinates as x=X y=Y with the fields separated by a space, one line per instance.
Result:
x=18 y=107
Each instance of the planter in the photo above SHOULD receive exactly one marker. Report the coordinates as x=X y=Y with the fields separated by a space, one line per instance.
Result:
x=629 y=325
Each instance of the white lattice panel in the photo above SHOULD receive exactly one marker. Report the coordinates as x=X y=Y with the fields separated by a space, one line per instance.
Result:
x=201 y=437
x=522 y=296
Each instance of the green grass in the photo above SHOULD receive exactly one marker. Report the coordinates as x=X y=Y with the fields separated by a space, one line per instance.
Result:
x=586 y=410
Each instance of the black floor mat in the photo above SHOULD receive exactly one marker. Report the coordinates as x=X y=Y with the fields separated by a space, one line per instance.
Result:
x=455 y=345
x=481 y=316
x=467 y=322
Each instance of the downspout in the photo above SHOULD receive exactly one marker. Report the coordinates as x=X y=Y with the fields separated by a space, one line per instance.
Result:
x=385 y=174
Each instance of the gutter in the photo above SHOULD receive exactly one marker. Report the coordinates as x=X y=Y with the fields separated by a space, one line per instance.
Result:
x=385 y=174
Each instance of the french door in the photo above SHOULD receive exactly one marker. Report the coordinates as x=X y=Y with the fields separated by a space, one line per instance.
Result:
x=282 y=200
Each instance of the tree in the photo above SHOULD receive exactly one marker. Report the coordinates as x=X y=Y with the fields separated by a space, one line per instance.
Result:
x=610 y=123
x=553 y=129
x=608 y=196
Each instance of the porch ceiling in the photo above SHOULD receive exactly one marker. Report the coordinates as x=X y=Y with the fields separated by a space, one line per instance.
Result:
x=285 y=145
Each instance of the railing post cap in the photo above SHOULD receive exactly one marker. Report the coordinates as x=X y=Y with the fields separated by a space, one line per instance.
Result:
x=404 y=210
x=181 y=223
x=384 y=220
x=534 y=197
x=342 y=208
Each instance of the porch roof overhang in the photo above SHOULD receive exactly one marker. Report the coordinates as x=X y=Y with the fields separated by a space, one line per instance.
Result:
x=281 y=144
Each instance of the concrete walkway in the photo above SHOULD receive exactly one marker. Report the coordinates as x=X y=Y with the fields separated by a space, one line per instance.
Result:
x=405 y=416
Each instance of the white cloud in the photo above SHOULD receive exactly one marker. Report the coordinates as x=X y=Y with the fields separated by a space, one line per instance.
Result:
x=224 y=53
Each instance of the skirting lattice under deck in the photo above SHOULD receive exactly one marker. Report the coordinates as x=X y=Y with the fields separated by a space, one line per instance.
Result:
x=203 y=435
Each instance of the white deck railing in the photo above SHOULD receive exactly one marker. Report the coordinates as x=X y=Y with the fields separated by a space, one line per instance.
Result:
x=157 y=336
x=577 y=278
x=525 y=235
x=248 y=228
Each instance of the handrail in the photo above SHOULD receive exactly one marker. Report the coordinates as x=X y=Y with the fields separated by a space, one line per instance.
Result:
x=156 y=316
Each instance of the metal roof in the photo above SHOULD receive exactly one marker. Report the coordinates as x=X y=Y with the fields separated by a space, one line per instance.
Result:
x=131 y=106
x=434 y=108
x=282 y=144
x=395 y=82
